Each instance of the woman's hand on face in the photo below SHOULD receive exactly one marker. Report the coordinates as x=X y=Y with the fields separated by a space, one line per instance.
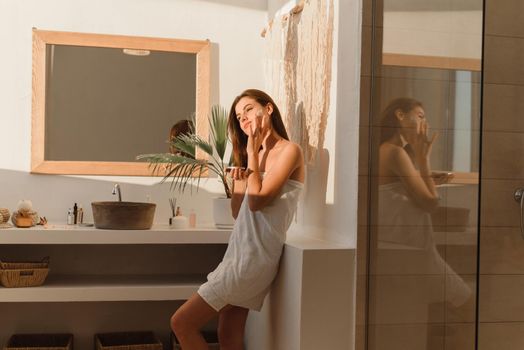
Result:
x=257 y=132
x=423 y=144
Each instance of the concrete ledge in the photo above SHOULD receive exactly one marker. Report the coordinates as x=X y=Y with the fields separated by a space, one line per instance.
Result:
x=311 y=304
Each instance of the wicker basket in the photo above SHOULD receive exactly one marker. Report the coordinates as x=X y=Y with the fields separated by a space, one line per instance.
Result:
x=127 y=341
x=40 y=342
x=211 y=339
x=4 y=215
x=23 y=274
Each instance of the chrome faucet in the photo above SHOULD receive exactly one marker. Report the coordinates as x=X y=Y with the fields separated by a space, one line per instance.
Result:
x=116 y=189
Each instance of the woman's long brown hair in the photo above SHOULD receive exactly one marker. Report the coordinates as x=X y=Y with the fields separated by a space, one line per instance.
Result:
x=389 y=123
x=237 y=136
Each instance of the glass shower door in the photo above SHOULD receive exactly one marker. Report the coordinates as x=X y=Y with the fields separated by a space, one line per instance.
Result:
x=501 y=250
x=424 y=179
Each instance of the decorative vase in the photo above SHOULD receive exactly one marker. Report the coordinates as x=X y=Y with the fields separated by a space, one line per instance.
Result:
x=222 y=213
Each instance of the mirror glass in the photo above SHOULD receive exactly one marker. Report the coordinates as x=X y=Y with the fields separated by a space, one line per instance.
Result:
x=100 y=100
x=105 y=105
x=431 y=51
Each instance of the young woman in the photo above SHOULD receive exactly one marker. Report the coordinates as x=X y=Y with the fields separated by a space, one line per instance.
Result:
x=267 y=183
x=407 y=194
x=405 y=149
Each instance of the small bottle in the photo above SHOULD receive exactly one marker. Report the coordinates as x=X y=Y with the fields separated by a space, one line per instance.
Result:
x=70 y=217
x=80 y=215
x=75 y=213
x=178 y=211
x=192 y=219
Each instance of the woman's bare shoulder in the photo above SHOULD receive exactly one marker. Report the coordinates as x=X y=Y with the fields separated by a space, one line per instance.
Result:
x=292 y=146
x=291 y=150
x=394 y=158
x=391 y=150
x=292 y=155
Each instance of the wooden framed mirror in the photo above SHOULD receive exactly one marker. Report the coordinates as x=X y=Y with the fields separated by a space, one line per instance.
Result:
x=100 y=100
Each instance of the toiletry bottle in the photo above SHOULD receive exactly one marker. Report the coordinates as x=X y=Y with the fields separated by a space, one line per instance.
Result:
x=70 y=217
x=178 y=211
x=192 y=219
x=75 y=213
x=80 y=215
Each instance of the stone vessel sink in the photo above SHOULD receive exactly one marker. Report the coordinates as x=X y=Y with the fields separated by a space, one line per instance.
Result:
x=123 y=215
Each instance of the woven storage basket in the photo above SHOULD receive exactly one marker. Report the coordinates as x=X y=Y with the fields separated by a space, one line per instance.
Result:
x=127 y=341
x=23 y=274
x=211 y=339
x=40 y=342
x=4 y=215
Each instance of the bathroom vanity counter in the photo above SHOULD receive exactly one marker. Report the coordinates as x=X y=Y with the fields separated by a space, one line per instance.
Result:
x=120 y=280
x=89 y=264
x=160 y=234
x=106 y=280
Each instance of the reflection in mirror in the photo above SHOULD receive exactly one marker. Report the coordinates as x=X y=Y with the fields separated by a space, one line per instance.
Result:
x=431 y=51
x=105 y=105
x=433 y=34
x=101 y=100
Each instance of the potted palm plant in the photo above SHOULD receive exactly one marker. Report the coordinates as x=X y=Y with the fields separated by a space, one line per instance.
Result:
x=183 y=166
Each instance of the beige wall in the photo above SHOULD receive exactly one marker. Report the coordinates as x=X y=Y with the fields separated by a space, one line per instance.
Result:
x=501 y=312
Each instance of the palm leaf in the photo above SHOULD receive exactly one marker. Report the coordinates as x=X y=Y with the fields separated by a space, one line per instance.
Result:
x=189 y=143
x=184 y=168
x=218 y=127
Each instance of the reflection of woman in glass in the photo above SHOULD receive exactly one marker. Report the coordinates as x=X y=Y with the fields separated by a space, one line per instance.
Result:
x=407 y=192
x=182 y=127
x=404 y=147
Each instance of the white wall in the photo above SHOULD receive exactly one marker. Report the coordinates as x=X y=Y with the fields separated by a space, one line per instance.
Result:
x=443 y=33
x=329 y=208
x=330 y=213
x=343 y=130
x=279 y=6
x=234 y=30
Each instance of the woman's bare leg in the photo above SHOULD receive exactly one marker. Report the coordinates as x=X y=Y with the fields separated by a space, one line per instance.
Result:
x=189 y=319
x=231 y=326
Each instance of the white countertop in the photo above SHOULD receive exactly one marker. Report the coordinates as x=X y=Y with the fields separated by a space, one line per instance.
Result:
x=69 y=234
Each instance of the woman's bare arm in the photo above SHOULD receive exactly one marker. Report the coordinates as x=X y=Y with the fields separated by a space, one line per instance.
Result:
x=262 y=192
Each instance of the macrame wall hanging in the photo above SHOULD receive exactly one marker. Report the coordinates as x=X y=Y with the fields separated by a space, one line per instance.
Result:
x=298 y=70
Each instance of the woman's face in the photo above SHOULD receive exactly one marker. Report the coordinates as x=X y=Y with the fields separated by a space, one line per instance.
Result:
x=411 y=122
x=250 y=114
